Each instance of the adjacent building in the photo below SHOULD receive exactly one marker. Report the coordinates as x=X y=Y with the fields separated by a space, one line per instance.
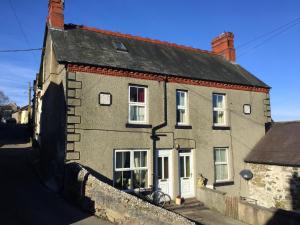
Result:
x=275 y=163
x=142 y=112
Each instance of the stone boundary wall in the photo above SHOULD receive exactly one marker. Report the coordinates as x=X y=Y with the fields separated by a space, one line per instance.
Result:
x=112 y=204
x=246 y=212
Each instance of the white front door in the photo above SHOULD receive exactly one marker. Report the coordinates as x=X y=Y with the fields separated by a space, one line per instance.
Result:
x=164 y=168
x=185 y=174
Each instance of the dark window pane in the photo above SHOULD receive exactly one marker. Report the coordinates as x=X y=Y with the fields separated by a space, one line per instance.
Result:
x=126 y=159
x=166 y=167
x=143 y=159
x=118 y=160
x=159 y=169
x=181 y=165
x=215 y=99
x=188 y=166
x=133 y=94
x=141 y=94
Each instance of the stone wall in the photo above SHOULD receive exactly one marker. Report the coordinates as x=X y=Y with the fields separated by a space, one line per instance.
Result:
x=112 y=204
x=275 y=186
x=244 y=211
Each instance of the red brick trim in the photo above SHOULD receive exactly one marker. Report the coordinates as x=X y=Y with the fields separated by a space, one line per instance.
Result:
x=149 y=40
x=158 y=77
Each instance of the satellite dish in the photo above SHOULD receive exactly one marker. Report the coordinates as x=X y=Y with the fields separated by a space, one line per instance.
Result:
x=246 y=174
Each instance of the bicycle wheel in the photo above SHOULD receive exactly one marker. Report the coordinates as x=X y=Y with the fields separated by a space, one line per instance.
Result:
x=158 y=198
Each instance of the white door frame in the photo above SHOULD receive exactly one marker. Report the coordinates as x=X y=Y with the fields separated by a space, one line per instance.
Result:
x=168 y=153
x=187 y=152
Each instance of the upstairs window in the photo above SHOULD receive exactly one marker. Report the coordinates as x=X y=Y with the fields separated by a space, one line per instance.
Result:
x=137 y=104
x=221 y=164
x=181 y=107
x=219 y=110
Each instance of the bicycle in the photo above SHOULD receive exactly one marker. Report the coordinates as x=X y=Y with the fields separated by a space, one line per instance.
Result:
x=155 y=197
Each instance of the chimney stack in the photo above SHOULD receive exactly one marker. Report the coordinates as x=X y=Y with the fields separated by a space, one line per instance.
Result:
x=56 y=14
x=224 y=45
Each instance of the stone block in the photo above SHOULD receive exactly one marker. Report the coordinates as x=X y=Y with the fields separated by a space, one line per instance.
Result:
x=71 y=76
x=73 y=156
x=71 y=93
x=71 y=110
x=74 y=101
x=71 y=126
x=73 y=119
x=74 y=84
x=70 y=146
x=73 y=137
x=70 y=130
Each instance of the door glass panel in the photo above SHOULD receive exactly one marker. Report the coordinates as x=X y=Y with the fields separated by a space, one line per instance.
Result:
x=188 y=168
x=159 y=169
x=166 y=167
x=181 y=166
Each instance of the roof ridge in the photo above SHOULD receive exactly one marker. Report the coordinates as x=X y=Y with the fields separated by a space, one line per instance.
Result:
x=145 y=39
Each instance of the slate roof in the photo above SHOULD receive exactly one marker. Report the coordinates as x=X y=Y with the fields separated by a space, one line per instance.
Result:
x=97 y=49
x=280 y=146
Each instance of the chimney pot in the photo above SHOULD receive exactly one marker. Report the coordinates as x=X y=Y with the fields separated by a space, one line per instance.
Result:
x=224 y=45
x=56 y=14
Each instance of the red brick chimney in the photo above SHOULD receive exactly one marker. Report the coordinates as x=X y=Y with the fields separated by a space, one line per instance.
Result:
x=224 y=45
x=56 y=14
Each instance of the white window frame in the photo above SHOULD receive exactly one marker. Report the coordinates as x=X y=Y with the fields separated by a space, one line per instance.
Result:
x=131 y=166
x=222 y=109
x=222 y=163
x=185 y=107
x=144 y=104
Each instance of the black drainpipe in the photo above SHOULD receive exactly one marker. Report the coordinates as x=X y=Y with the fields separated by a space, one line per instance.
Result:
x=155 y=137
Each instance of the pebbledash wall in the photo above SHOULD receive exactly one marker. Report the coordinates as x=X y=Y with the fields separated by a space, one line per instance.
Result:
x=275 y=186
x=95 y=131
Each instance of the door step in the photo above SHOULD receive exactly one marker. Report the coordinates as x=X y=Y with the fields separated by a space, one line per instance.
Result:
x=187 y=204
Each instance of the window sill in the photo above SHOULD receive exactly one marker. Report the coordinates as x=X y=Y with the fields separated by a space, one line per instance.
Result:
x=177 y=126
x=220 y=127
x=223 y=183
x=136 y=125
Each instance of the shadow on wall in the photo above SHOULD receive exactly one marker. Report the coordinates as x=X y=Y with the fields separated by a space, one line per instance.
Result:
x=53 y=126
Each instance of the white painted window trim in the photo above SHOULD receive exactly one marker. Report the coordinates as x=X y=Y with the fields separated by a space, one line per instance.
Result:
x=221 y=109
x=185 y=107
x=145 y=105
x=223 y=163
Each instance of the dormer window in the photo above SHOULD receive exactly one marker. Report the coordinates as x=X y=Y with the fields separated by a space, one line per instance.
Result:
x=120 y=46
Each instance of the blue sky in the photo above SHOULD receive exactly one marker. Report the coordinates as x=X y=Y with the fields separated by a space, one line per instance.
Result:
x=193 y=23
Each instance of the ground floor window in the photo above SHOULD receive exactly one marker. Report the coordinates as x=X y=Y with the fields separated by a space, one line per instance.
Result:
x=131 y=169
x=221 y=164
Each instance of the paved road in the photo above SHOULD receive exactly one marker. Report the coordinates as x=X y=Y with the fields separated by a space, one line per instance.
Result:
x=24 y=200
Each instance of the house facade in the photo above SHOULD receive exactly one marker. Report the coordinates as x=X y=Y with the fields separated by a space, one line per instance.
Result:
x=142 y=112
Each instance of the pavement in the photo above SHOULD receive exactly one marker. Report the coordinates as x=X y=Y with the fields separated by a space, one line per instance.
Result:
x=23 y=198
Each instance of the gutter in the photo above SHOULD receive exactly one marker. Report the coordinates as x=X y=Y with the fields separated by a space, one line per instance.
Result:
x=155 y=137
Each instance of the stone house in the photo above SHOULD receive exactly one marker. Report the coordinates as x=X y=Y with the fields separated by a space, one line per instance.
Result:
x=275 y=163
x=142 y=112
x=21 y=115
